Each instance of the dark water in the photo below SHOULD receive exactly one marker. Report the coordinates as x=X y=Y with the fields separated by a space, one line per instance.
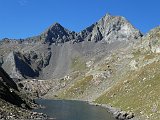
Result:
x=73 y=110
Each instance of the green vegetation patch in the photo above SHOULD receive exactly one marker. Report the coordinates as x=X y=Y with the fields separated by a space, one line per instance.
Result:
x=78 y=88
x=77 y=64
x=150 y=56
x=136 y=53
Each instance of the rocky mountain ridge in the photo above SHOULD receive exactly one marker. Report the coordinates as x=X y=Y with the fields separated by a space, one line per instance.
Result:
x=38 y=53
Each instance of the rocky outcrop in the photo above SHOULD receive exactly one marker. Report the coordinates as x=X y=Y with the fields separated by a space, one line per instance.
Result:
x=117 y=113
x=151 y=41
x=11 y=112
x=37 y=87
x=18 y=66
x=9 y=90
x=25 y=65
x=110 y=29
x=57 y=34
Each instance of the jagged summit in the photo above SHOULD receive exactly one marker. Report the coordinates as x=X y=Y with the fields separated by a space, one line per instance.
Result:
x=109 y=28
x=105 y=17
x=55 y=26
x=56 y=33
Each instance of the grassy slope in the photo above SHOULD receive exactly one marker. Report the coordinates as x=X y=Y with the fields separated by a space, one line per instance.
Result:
x=78 y=64
x=139 y=92
x=77 y=89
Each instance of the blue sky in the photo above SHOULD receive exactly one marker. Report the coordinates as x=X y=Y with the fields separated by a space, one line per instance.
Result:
x=24 y=18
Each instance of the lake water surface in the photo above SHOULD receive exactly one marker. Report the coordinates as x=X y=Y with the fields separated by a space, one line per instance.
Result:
x=73 y=110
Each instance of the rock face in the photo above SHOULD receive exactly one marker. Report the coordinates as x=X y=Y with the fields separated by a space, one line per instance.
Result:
x=19 y=66
x=110 y=29
x=37 y=87
x=51 y=54
x=152 y=40
x=57 y=34
x=8 y=88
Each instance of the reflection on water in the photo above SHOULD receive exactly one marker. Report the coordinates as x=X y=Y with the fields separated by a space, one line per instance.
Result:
x=73 y=110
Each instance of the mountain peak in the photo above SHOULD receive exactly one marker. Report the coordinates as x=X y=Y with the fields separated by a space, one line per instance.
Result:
x=56 y=33
x=109 y=28
x=56 y=24
x=108 y=15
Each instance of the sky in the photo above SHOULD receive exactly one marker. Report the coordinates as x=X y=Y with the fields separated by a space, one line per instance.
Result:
x=26 y=18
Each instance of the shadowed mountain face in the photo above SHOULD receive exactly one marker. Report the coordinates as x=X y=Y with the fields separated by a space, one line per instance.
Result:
x=9 y=90
x=15 y=104
x=53 y=53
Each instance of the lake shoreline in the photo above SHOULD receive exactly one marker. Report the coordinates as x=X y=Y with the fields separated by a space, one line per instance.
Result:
x=116 y=112
x=44 y=106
